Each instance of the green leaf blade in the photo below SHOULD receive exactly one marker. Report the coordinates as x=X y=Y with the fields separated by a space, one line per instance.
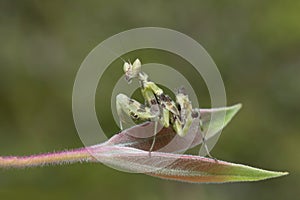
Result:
x=185 y=168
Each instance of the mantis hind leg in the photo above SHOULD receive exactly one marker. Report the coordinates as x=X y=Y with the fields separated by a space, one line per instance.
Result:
x=155 y=109
x=182 y=131
x=203 y=137
x=154 y=138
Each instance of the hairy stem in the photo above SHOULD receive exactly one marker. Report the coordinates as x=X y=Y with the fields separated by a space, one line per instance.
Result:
x=64 y=157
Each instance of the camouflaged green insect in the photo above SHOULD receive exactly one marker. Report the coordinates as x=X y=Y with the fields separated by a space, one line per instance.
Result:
x=159 y=107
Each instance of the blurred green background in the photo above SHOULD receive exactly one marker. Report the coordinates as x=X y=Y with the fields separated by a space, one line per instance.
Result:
x=255 y=44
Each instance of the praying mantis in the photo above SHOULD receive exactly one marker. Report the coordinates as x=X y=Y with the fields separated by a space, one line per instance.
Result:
x=158 y=107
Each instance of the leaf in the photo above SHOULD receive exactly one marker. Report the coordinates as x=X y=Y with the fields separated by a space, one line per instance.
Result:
x=186 y=168
x=128 y=152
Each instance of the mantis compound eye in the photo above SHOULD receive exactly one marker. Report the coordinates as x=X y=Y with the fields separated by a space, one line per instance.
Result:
x=137 y=64
x=126 y=67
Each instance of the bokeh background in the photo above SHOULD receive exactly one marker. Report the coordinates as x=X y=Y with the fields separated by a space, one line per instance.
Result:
x=255 y=44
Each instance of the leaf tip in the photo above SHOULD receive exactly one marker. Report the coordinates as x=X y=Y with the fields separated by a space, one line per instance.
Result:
x=236 y=107
x=266 y=174
x=278 y=174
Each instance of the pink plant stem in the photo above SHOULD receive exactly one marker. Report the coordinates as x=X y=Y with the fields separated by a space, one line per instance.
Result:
x=64 y=157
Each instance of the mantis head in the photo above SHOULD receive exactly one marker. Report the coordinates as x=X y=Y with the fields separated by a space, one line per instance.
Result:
x=132 y=70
